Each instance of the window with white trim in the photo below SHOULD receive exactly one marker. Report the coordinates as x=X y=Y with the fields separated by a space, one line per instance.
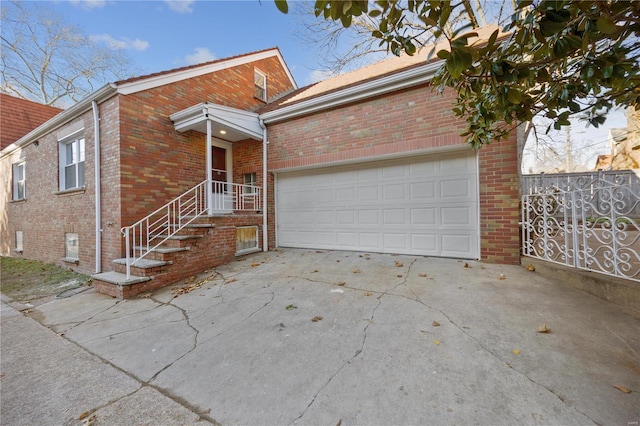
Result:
x=19 y=181
x=72 y=164
x=19 y=241
x=250 y=179
x=260 y=85
x=71 y=246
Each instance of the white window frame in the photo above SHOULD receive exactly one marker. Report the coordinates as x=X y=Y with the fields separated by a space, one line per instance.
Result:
x=71 y=246
x=259 y=77
x=19 y=185
x=252 y=180
x=19 y=241
x=77 y=164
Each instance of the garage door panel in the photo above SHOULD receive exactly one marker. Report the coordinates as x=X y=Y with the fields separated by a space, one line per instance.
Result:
x=346 y=217
x=424 y=206
x=456 y=188
x=395 y=241
x=369 y=240
x=393 y=192
x=346 y=240
x=425 y=216
x=369 y=217
x=369 y=193
x=459 y=216
x=424 y=243
x=422 y=190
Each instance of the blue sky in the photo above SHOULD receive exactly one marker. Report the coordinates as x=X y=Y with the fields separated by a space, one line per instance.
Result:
x=162 y=35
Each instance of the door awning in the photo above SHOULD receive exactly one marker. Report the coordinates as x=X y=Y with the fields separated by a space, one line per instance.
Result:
x=228 y=123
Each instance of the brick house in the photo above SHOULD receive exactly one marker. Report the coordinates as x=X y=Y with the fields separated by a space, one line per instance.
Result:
x=370 y=160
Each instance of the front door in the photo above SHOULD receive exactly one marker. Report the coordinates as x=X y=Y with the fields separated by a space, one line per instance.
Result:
x=218 y=168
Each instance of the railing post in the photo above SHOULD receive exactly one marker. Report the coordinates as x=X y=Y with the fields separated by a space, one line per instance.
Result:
x=127 y=247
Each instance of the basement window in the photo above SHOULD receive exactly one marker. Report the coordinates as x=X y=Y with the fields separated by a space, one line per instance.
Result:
x=246 y=240
x=19 y=242
x=71 y=247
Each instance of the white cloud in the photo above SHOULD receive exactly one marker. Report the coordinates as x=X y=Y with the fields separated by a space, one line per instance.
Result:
x=180 y=6
x=123 y=43
x=89 y=4
x=202 y=55
x=319 y=75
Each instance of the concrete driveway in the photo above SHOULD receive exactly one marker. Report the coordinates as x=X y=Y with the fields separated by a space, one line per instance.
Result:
x=315 y=337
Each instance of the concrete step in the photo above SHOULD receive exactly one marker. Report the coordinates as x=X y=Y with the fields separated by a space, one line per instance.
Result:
x=165 y=250
x=117 y=278
x=143 y=263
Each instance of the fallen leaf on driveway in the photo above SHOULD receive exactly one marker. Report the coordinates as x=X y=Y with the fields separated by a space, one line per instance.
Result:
x=422 y=275
x=531 y=268
x=516 y=351
x=253 y=265
x=399 y=275
x=340 y=283
x=543 y=328
x=367 y=293
x=435 y=324
x=144 y=296
x=291 y=307
x=437 y=342
x=501 y=277
x=622 y=388
x=466 y=266
x=356 y=271
x=398 y=264
x=316 y=319
x=230 y=280
x=315 y=270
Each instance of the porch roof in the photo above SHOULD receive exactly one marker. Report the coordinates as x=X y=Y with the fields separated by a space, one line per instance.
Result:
x=228 y=123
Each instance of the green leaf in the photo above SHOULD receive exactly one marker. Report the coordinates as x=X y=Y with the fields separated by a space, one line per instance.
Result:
x=514 y=96
x=375 y=13
x=606 y=25
x=282 y=6
x=549 y=28
x=346 y=20
x=443 y=54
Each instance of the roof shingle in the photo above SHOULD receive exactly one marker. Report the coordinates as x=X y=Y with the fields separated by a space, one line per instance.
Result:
x=20 y=116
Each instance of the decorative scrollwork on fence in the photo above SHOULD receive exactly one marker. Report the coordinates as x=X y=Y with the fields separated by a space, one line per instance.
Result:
x=596 y=227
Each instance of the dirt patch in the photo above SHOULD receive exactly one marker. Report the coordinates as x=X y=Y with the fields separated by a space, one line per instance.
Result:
x=28 y=280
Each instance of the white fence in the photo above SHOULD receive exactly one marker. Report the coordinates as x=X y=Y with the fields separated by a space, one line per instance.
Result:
x=589 y=222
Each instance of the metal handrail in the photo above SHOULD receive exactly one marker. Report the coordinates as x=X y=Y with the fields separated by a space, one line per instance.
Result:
x=150 y=232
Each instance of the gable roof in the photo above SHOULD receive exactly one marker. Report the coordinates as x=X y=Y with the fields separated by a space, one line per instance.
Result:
x=149 y=81
x=137 y=84
x=381 y=77
x=20 y=116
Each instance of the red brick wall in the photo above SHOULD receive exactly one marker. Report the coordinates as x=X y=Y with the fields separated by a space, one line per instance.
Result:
x=412 y=120
x=145 y=163
x=159 y=163
x=47 y=215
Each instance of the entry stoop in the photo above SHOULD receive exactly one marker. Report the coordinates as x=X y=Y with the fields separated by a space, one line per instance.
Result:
x=117 y=285
x=209 y=242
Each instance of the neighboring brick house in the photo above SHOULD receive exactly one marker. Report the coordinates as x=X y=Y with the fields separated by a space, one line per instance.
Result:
x=370 y=160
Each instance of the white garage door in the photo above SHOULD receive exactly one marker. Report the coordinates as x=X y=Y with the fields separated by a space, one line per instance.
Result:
x=420 y=205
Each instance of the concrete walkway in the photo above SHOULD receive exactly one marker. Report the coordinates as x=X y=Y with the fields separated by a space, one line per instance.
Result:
x=306 y=337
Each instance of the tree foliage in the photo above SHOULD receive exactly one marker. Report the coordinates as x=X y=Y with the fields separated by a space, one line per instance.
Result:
x=554 y=58
x=48 y=61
